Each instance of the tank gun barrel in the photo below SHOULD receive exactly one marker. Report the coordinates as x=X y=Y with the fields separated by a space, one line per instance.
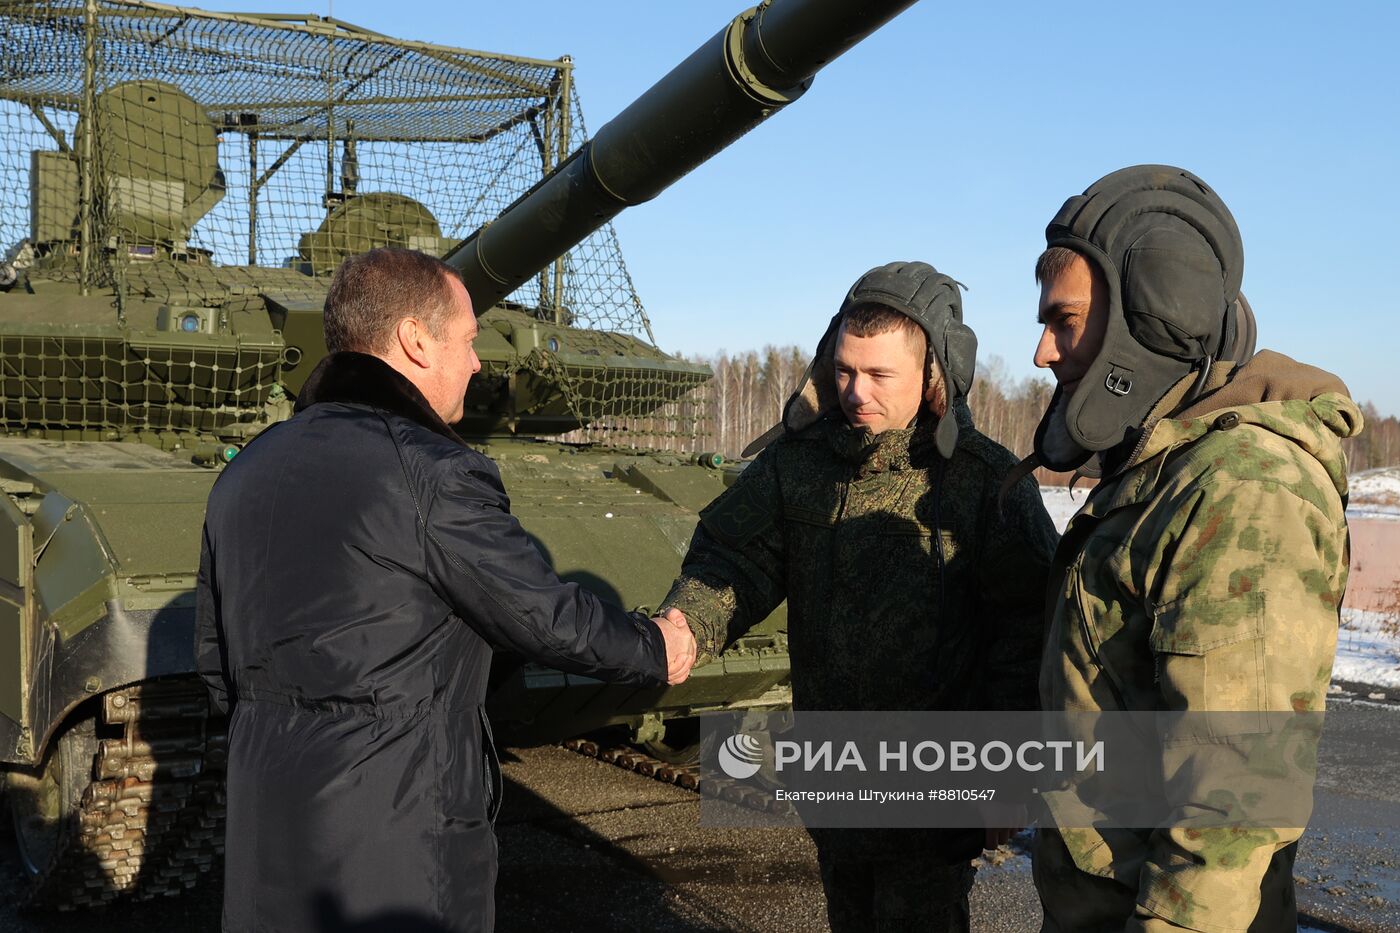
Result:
x=761 y=62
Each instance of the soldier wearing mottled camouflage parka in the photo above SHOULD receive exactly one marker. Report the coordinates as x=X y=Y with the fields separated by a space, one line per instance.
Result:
x=874 y=513
x=1205 y=571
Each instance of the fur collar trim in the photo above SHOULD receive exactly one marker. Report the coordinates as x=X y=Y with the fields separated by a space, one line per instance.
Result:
x=363 y=379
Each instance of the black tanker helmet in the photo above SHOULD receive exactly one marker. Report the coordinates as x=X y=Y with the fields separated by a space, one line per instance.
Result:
x=929 y=298
x=1172 y=258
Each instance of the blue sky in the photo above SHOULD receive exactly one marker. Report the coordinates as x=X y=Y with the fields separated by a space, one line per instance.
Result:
x=953 y=135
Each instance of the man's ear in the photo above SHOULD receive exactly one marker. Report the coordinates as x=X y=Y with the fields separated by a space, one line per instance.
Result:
x=409 y=334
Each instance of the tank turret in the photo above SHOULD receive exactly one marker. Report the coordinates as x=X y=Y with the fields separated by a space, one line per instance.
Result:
x=176 y=187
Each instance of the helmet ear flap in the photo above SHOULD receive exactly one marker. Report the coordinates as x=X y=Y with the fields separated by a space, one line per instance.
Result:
x=959 y=358
x=1172 y=293
x=956 y=355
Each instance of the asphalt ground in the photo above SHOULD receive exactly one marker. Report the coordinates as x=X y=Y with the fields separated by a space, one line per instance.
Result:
x=585 y=845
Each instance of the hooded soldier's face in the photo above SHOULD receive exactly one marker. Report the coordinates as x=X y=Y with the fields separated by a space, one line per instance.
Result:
x=1074 y=313
x=879 y=379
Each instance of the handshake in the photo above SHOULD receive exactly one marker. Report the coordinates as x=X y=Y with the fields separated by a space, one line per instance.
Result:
x=680 y=644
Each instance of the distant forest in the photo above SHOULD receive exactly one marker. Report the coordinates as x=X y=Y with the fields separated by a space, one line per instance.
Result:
x=746 y=397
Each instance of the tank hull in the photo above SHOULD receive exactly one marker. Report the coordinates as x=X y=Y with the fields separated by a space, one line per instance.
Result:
x=110 y=534
x=100 y=709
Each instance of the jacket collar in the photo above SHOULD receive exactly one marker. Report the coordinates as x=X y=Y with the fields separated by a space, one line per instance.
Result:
x=363 y=379
x=890 y=451
x=1305 y=406
x=1271 y=390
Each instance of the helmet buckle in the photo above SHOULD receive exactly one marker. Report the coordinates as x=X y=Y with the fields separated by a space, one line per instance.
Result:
x=1118 y=382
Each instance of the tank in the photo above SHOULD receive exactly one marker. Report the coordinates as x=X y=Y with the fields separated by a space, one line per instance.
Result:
x=178 y=186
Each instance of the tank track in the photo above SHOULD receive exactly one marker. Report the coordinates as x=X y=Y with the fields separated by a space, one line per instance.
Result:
x=687 y=776
x=151 y=822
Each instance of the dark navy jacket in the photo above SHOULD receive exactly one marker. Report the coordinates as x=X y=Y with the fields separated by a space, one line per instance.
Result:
x=360 y=562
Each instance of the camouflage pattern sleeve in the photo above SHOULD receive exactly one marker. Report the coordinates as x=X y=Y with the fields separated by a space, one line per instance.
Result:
x=734 y=573
x=1017 y=553
x=1245 y=618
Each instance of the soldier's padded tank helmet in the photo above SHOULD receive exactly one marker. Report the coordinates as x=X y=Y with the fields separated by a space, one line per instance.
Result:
x=929 y=298
x=1172 y=258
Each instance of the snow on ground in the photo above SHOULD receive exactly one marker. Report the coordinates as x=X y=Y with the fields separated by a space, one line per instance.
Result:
x=1377 y=485
x=1062 y=504
x=1365 y=653
x=1375 y=494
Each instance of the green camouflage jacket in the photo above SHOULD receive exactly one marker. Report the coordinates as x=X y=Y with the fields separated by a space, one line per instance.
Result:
x=1206 y=574
x=907 y=588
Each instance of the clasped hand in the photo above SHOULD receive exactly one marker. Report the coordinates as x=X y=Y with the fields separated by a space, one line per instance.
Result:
x=680 y=644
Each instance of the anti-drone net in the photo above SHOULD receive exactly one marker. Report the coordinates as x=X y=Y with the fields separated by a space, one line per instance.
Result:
x=170 y=153
x=270 y=141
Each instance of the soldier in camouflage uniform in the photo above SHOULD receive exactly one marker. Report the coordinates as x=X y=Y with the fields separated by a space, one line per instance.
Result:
x=1206 y=570
x=874 y=513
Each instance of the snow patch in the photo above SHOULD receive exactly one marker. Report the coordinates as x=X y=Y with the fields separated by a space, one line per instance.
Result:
x=1375 y=494
x=1383 y=483
x=1061 y=503
x=1365 y=653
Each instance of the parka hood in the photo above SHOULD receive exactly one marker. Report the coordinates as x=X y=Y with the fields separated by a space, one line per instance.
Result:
x=1304 y=404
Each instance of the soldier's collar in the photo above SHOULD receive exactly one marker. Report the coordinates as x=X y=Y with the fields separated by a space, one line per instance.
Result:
x=897 y=449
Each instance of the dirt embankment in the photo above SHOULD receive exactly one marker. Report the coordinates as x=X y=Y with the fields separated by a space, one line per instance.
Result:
x=1375 y=565
x=1374 y=518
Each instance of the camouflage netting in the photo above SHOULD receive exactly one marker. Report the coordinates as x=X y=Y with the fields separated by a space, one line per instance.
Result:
x=202 y=159
x=277 y=141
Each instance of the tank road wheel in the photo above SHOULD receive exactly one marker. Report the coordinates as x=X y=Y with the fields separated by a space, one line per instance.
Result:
x=44 y=805
x=130 y=807
x=678 y=743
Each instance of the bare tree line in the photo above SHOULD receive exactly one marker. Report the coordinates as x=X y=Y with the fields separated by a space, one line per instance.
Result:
x=1378 y=445
x=746 y=397
x=748 y=391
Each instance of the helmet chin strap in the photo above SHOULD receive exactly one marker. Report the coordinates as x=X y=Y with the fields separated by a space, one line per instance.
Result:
x=1199 y=385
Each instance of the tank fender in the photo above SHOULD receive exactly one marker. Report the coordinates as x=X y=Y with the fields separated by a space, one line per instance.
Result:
x=122 y=648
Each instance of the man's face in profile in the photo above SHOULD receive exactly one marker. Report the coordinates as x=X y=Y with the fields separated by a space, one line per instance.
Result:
x=1074 y=314
x=880 y=379
x=454 y=356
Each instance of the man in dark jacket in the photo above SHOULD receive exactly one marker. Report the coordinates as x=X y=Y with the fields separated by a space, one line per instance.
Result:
x=360 y=563
x=874 y=513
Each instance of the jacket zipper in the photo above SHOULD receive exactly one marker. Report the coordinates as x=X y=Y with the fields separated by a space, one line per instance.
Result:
x=1076 y=568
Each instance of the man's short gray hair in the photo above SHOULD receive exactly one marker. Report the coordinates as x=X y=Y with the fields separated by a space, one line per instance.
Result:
x=370 y=293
